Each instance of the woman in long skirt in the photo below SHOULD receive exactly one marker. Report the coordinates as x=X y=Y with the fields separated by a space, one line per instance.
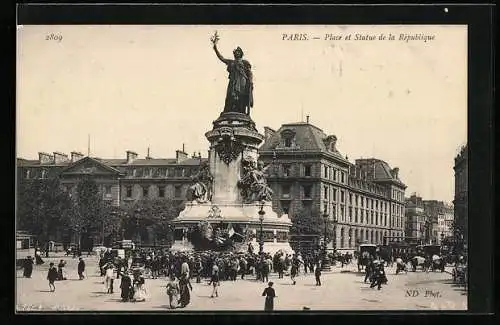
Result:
x=270 y=294
x=293 y=272
x=140 y=289
x=125 y=286
x=28 y=267
x=215 y=281
x=185 y=287
x=173 y=292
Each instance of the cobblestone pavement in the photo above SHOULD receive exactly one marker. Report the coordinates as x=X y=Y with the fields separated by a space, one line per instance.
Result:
x=342 y=289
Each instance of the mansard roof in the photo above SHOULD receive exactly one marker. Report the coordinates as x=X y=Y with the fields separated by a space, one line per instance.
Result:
x=377 y=170
x=116 y=163
x=307 y=137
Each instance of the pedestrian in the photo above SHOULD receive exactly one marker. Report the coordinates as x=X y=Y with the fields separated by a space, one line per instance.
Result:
x=270 y=294
x=368 y=270
x=81 y=269
x=109 y=278
x=38 y=257
x=60 y=270
x=215 y=281
x=52 y=276
x=173 y=292
x=264 y=270
x=379 y=277
x=243 y=267
x=140 y=293
x=293 y=272
x=317 y=274
x=126 y=287
x=28 y=267
x=185 y=268
x=400 y=265
x=184 y=291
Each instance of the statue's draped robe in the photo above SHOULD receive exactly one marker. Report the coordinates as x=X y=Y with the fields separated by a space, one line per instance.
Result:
x=239 y=95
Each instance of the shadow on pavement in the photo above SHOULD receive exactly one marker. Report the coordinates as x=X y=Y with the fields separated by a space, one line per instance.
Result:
x=44 y=291
x=167 y=307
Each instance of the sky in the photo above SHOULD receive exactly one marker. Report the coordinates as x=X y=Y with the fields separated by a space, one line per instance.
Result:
x=158 y=86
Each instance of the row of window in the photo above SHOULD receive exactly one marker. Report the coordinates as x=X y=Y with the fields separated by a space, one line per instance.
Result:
x=398 y=195
x=367 y=186
x=161 y=191
x=398 y=209
x=306 y=171
x=361 y=216
x=287 y=171
x=160 y=172
x=334 y=174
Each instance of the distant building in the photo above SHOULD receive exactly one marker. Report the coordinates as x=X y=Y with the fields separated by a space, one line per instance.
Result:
x=427 y=221
x=460 y=201
x=365 y=200
x=416 y=219
x=120 y=181
x=440 y=215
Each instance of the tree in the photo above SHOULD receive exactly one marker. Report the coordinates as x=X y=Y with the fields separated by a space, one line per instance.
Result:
x=307 y=222
x=42 y=207
x=89 y=210
x=153 y=214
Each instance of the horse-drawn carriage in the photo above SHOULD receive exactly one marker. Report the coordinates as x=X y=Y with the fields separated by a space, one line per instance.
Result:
x=366 y=253
x=434 y=253
x=428 y=257
x=385 y=252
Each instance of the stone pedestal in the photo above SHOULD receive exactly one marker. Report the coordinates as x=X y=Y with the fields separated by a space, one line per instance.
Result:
x=232 y=139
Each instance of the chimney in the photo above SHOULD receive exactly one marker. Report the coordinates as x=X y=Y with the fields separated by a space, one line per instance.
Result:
x=268 y=133
x=330 y=142
x=45 y=158
x=181 y=155
x=395 y=172
x=148 y=156
x=131 y=156
x=307 y=119
x=199 y=155
x=60 y=157
x=75 y=156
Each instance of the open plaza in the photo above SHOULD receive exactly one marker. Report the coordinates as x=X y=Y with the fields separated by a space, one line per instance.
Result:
x=342 y=289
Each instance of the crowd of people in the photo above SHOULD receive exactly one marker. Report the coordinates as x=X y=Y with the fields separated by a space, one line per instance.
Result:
x=180 y=268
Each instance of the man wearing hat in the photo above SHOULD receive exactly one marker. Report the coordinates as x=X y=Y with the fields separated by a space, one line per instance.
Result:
x=52 y=276
x=81 y=268
x=28 y=267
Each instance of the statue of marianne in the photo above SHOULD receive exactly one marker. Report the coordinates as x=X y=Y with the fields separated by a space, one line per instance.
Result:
x=239 y=95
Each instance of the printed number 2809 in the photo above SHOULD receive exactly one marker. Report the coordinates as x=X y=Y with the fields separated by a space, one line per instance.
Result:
x=54 y=37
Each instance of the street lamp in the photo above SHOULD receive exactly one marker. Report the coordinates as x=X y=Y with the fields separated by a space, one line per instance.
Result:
x=325 y=264
x=137 y=233
x=261 y=219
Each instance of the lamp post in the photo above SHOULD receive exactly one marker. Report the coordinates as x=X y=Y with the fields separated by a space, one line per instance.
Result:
x=261 y=219
x=325 y=264
x=137 y=234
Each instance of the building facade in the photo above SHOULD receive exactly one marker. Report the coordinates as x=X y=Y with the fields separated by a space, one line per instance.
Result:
x=308 y=174
x=416 y=219
x=440 y=215
x=428 y=221
x=121 y=181
x=461 y=190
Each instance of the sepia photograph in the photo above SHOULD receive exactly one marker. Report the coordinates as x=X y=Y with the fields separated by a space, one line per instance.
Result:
x=181 y=168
